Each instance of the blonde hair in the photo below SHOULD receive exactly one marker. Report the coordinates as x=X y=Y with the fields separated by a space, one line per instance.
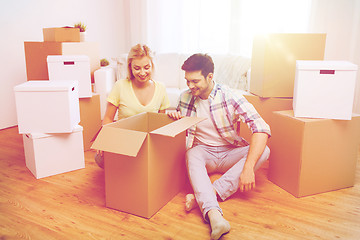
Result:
x=138 y=51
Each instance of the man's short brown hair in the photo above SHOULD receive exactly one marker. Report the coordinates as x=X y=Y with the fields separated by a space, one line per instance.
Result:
x=199 y=62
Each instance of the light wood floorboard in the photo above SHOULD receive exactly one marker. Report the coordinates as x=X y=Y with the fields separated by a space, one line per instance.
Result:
x=72 y=206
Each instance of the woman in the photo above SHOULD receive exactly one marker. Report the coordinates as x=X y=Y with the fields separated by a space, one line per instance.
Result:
x=138 y=92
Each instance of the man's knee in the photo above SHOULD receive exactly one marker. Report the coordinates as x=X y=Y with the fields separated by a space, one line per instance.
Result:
x=191 y=155
x=266 y=153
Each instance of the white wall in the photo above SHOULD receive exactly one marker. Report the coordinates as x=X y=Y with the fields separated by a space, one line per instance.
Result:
x=341 y=21
x=23 y=20
x=115 y=24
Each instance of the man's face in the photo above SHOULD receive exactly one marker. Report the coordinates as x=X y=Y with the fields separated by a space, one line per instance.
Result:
x=198 y=84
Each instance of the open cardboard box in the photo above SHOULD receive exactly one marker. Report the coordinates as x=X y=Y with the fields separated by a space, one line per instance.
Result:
x=144 y=161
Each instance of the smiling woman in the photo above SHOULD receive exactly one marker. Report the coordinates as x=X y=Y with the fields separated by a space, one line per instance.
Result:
x=138 y=92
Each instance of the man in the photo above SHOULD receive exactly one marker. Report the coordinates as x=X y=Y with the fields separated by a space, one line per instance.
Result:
x=213 y=145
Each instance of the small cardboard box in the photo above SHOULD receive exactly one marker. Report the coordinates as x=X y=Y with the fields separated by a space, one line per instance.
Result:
x=63 y=34
x=311 y=156
x=265 y=107
x=36 y=56
x=273 y=61
x=47 y=107
x=50 y=154
x=144 y=161
x=90 y=118
x=324 y=89
x=70 y=67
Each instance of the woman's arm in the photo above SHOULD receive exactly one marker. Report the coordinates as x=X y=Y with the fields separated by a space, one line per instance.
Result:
x=109 y=114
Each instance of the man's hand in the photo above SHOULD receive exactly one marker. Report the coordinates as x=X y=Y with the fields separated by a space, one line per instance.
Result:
x=175 y=115
x=247 y=180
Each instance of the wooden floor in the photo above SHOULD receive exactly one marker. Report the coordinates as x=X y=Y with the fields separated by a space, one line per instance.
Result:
x=72 y=206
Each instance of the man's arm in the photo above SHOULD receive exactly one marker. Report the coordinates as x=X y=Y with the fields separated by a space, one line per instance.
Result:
x=175 y=115
x=257 y=146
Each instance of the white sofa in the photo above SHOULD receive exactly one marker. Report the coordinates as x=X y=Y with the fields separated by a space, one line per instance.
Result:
x=229 y=69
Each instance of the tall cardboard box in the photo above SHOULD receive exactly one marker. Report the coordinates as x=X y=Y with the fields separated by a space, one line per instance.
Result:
x=63 y=34
x=37 y=52
x=273 y=61
x=144 y=161
x=51 y=154
x=265 y=107
x=324 y=89
x=47 y=106
x=90 y=118
x=311 y=156
x=69 y=67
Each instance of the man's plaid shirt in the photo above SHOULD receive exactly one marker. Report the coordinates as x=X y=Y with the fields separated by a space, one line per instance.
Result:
x=227 y=109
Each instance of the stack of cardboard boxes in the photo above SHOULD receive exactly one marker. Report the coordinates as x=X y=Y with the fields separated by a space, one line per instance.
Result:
x=66 y=42
x=57 y=112
x=314 y=150
x=48 y=117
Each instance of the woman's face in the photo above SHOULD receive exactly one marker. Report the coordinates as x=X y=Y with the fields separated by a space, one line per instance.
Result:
x=141 y=69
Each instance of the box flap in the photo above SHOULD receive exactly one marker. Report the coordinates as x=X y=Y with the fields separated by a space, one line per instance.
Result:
x=120 y=141
x=325 y=65
x=67 y=59
x=178 y=126
x=34 y=135
x=46 y=86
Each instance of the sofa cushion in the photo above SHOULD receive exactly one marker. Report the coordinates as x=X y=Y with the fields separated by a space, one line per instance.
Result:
x=232 y=70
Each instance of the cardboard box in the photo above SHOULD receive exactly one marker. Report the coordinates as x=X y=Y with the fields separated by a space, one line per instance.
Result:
x=47 y=107
x=37 y=52
x=64 y=34
x=265 y=107
x=50 y=154
x=324 y=89
x=311 y=156
x=90 y=49
x=144 y=161
x=71 y=67
x=90 y=118
x=273 y=61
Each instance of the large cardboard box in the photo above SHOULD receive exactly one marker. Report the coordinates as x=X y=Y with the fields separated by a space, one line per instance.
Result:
x=64 y=34
x=273 y=61
x=311 y=156
x=47 y=107
x=144 y=161
x=324 y=89
x=37 y=52
x=265 y=107
x=90 y=118
x=71 y=67
x=50 y=154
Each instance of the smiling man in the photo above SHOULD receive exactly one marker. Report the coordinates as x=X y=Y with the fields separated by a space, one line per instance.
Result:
x=213 y=145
